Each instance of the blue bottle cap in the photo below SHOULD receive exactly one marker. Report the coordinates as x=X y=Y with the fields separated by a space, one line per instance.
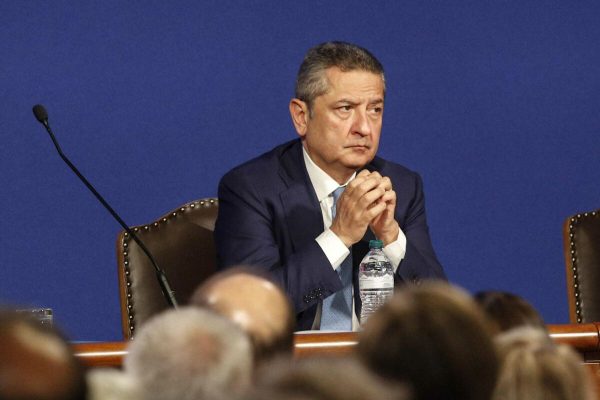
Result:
x=376 y=244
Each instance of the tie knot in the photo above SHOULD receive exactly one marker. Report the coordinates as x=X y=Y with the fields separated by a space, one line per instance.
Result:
x=337 y=193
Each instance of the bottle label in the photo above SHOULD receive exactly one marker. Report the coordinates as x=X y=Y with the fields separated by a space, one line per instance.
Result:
x=375 y=283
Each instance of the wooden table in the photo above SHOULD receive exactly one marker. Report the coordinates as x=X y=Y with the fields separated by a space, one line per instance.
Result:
x=585 y=338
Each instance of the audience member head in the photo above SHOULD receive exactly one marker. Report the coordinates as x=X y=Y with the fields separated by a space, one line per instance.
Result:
x=255 y=304
x=434 y=338
x=534 y=368
x=189 y=354
x=325 y=379
x=37 y=362
x=506 y=311
x=312 y=81
x=111 y=384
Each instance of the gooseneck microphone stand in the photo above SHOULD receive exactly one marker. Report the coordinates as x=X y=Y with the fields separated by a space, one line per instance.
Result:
x=42 y=116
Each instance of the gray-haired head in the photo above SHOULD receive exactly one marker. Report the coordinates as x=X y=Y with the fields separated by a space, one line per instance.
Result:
x=311 y=81
x=188 y=354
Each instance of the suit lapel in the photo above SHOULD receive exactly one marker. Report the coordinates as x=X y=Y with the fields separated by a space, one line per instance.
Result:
x=301 y=207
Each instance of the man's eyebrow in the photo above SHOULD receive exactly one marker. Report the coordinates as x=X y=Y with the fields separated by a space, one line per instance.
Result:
x=378 y=100
x=347 y=101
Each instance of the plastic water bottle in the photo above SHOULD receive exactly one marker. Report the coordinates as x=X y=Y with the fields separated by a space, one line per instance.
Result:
x=375 y=280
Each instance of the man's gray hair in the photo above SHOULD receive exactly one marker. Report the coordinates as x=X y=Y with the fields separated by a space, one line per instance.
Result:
x=311 y=81
x=188 y=354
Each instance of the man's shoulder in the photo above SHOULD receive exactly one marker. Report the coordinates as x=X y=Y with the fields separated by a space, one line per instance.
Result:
x=390 y=168
x=266 y=164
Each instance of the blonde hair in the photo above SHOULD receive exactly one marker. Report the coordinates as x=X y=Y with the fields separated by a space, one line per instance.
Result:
x=534 y=368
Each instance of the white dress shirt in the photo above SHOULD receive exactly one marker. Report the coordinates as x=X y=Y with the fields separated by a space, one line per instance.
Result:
x=335 y=250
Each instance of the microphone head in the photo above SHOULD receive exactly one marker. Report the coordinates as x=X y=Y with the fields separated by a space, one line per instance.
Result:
x=40 y=113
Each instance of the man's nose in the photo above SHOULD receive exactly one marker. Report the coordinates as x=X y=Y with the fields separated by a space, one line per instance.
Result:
x=361 y=125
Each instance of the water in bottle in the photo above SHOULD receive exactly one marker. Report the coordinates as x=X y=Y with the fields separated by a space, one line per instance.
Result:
x=375 y=280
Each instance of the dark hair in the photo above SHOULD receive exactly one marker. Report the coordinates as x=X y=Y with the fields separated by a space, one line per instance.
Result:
x=435 y=338
x=12 y=326
x=311 y=81
x=506 y=310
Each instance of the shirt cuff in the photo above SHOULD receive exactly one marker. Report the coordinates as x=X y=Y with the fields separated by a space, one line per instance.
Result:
x=335 y=250
x=396 y=250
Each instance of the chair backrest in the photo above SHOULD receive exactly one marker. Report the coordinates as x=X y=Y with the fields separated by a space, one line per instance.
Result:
x=182 y=245
x=581 y=242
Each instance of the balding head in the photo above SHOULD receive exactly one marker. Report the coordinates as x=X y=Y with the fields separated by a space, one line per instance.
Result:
x=254 y=303
x=36 y=362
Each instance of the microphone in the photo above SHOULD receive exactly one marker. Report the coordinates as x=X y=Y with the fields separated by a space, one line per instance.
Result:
x=42 y=116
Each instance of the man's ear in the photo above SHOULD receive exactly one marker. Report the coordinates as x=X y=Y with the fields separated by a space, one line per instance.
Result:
x=299 y=113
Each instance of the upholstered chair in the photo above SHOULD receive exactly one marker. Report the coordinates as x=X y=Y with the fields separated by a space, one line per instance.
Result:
x=581 y=241
x=182 y=244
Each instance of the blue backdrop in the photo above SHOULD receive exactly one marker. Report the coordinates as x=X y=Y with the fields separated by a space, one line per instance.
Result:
x=495 y=103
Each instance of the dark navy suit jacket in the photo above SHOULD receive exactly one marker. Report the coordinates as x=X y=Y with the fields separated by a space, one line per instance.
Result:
x=269 y=217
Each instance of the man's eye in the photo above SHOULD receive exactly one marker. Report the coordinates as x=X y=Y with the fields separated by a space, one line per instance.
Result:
x=345 y=108
x=377 y=110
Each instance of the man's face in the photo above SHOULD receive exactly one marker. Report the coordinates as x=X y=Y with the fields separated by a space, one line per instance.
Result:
x=342 y=132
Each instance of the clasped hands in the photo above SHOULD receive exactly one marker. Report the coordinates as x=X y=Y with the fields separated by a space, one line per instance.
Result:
x=368 y=201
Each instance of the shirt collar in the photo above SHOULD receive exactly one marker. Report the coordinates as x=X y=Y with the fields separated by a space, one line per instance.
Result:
x=323 y=184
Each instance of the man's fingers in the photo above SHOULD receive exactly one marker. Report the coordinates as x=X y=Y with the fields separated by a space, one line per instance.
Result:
x=359 y=187
x=388 y=197
x=386 y=183
x=364 y=172
x=375 y=174
x=367 y=181
x=375 y=210
x=371 y=197
x=366 y=198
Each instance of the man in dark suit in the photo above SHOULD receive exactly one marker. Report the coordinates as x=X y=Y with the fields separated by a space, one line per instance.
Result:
x=283 y=211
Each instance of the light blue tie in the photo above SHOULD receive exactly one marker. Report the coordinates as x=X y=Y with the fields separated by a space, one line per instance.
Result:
x=336 y=313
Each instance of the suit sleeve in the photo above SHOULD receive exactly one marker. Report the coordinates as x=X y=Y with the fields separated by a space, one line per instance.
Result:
x=420 y=261
x=250 y=230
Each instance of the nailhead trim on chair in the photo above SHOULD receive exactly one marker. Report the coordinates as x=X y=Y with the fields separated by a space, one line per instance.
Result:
x=575 y=220
x=126 y=239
